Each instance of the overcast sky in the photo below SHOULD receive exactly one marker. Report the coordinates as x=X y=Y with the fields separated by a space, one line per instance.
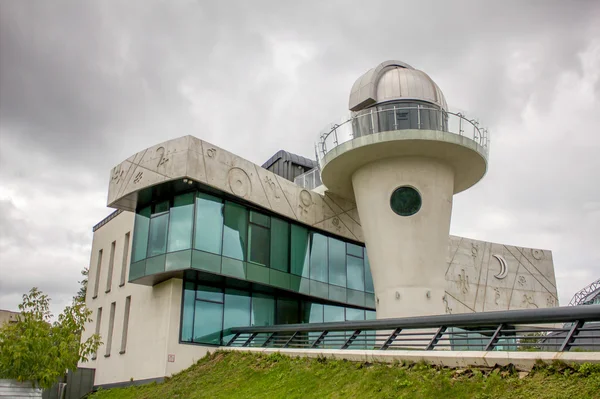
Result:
x=85 y=84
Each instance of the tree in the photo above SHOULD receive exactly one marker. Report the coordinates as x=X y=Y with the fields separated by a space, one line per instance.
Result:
x=38 y=350
x=83 y=288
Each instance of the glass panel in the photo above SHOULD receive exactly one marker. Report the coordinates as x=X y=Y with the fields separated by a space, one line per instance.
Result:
x=263 y=310
x=313 y=313
x=178 y=260
x=300 y=251
x=237 y=310
x=209 y=223
x=280 y=242
x=354 y=314
x=337 y=294
x=207 y=293
x=370 y=315
x=355 y=250
x=337 y=262
x=333 y=313
x=368 y=276
x=181 y=223
x=161 y=207
x=318 y=289
x=287 y=312
x=155 y=265
x=140 y=235
x=279 y=279
x=260 y=219
x=208 y=322
x=318 y=257
x=355 y=297
x=235 y=232
x=356 y=273
x=257 y=273
x=258 y=244
x=187 y=323
x=157 y=243
x=137 y=270
x=205 y=261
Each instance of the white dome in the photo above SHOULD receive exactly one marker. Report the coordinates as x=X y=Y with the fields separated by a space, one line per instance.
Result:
x=394 y=80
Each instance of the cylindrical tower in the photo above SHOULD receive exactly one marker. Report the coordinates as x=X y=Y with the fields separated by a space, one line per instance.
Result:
x=401 y=156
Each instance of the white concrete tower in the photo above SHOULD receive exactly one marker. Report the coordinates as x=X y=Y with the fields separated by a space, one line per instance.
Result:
x=401 y=156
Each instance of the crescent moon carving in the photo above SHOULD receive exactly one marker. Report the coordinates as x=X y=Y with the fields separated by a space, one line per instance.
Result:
x=503 y=268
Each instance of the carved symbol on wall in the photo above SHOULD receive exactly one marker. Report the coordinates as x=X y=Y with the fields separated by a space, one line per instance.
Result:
x=273 y=186
x=305 y=201
x=336 y=223
x=503 y=267
x=528 y=302
x=211 y=152
x=537 y=254
x=522 y=281
x=550 y=301
x=474 y=250
x=239 y=182
x=162 y=159
x=496 y=295
x=448 y=308
x=117 y=174
x=463 y=282
x=138 y=177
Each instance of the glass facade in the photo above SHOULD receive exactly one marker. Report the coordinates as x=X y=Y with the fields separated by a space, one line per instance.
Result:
x=209 y=311
x=196 y=230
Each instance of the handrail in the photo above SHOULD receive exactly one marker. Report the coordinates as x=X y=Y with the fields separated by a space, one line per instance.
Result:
x=339 y=133
x=526 y=328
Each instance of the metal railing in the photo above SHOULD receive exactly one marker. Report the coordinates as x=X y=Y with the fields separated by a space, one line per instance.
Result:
x=310 y=179
x=395 y=117
x=551 y=329
x=589 y=294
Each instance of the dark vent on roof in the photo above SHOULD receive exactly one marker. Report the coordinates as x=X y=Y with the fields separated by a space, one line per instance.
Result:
x=288 y=165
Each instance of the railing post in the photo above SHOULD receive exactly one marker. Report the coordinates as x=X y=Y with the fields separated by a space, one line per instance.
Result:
x=372 y=122
x=390 y=339
x=319 y=340
x=252 y=336
x=418 y=117
x=290 y=340
x=460 y=132
x=395 y=120
x=233 y=339
x=268 y=340
x=492 y=342
x=436 y=338
x=566 y=345
x=351 y=339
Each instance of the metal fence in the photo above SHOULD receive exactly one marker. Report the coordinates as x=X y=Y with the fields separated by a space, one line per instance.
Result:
x=569 y=327
x=394 y=117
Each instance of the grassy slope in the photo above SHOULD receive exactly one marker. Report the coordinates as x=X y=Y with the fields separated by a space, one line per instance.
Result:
x=243 y=375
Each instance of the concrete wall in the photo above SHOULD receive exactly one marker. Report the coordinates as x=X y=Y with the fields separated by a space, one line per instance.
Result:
x=406 y=253
x=11 y=389
x=153 y=332
x=7 y=316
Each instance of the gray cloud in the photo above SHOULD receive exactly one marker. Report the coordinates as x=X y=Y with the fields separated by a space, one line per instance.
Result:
x=84 y=85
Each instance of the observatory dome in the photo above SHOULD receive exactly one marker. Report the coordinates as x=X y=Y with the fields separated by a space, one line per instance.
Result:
x=394 y=81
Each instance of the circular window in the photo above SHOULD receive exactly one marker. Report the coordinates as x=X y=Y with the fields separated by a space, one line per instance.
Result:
x=405 y=201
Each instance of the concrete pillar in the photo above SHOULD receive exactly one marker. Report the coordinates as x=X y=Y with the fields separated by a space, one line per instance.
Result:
x=406 y=253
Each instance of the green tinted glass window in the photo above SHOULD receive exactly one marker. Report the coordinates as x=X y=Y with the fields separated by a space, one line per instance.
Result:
x=258 y=245
x=287 y=311
x=161 y=207
x=209 y=223
x=157 y=242
x=356 y=273
x=333 y=313
x=337 y=262
x=259 y=218
x=313 y=312
x=405 y=201
x=140 y=235
x=235 y=231
x=263 y=310
x=237 y=310
x=354 y=314
x=318 y=257
x=208 y=322
x=299 y=250
x=187 y=322
x=181 y=223
x=280 y=242
x=207 y=293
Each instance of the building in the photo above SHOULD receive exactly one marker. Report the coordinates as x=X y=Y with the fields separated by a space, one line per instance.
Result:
x=204 y=240
x=7 y=316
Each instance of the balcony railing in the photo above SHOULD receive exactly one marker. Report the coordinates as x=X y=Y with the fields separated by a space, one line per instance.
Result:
x=394 y=117
x=551 y=329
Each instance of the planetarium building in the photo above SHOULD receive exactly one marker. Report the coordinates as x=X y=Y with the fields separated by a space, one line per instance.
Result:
x=203 y=240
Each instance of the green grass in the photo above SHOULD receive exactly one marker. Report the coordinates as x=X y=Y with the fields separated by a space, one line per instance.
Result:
x=245 y=375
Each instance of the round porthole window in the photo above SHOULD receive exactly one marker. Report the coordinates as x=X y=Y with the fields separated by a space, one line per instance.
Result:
x=405 y=201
